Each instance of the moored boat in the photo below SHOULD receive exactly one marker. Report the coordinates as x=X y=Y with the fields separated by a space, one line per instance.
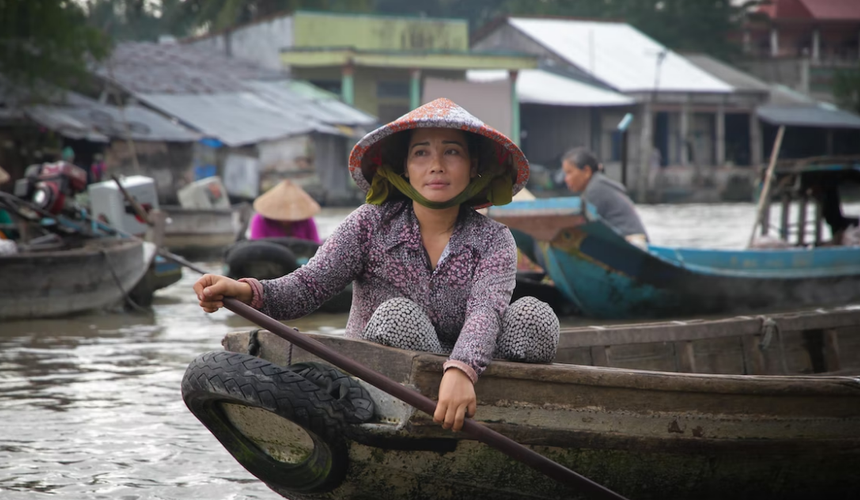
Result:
x=606 y=276
x=201 y=233
x=642 y=433
x=161 y=273
x=63 y=278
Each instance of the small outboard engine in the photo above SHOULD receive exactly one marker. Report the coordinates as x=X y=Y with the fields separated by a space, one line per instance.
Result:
x=52 y=186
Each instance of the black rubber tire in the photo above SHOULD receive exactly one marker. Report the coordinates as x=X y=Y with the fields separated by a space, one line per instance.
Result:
x=337 y=384
x=221 y=377
x=259 y=259
x=299 y=247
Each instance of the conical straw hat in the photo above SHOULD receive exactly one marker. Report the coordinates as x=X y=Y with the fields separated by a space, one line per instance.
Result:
x=4 y=176
x=368 y=154
x=286 y=202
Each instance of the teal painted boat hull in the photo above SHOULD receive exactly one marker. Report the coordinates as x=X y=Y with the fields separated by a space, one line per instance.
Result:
x=607 y=277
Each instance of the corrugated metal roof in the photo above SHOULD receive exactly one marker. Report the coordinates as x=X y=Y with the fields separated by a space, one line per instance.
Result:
x=225 y=98
x=60 y=120
x=152 y=68
x=314 y=106
x=820 y=116
x=235 y=119
x=536 y=86
x=823 y=10
x=780 y=94
x=736 y=78
x=619 y=55
x=834 y=10
x=79 y=117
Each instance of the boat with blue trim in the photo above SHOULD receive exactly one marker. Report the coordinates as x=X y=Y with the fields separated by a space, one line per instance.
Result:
x=606 y=276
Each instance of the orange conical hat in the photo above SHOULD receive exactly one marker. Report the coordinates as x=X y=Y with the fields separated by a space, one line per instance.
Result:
x=368 y=153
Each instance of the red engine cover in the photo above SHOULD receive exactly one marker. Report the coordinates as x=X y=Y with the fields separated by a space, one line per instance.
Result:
x=74 y=175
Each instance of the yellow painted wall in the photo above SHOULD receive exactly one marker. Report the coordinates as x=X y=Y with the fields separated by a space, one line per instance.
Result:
x=365 y=80
x=365 y=32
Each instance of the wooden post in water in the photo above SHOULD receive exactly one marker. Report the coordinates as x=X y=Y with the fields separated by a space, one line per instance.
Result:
x=818 y=219
x=801 y=220
x=768 y=180
x=784 y=216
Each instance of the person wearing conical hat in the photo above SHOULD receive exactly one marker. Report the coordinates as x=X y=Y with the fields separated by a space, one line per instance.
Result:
x=429 y=273
x=285 y=210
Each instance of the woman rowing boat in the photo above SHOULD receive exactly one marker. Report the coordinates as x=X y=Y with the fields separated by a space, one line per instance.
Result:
x=429 y=273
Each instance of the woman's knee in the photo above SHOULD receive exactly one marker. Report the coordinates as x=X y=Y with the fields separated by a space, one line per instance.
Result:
x=399 y=322
x=530 y=331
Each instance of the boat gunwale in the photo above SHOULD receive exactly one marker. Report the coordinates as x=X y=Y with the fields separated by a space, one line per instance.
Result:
x=92 y=246
x=694 y=329
x=422 y=364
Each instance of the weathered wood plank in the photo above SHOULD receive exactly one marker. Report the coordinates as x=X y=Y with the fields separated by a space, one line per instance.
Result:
x=818 y=320
x=600 y=356
x=801 y=220
x=831 y=351
x=722 y=355
x=678 y=331
x=819 y=216
x=675 y=331
x=686 y=357
x=784 y=217
x=753 y=357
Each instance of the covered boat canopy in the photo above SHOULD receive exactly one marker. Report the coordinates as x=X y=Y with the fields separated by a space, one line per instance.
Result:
x=812 y=115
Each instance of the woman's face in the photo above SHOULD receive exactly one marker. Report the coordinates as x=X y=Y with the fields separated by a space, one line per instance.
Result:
x=576 y=178
x=438 y=164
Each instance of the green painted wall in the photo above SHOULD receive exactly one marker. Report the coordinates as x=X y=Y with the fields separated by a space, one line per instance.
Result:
x=379 y=33
x=364 y=83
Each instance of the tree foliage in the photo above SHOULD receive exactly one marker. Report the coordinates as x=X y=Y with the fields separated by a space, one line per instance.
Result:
x=686 y=25
x=138 y=19
x=224 y=14
x=48 y=41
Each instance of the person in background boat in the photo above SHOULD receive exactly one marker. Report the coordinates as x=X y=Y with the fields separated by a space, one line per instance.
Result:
x=429 y=273
x=584 y=176
x=285 y=210
x=68 y=155
x=825 y=188
x=97 y=169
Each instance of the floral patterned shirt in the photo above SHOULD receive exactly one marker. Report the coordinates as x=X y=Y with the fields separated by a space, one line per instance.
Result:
x=379 y=249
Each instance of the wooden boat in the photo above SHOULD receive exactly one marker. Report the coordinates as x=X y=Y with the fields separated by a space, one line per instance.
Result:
x=161 y=273
x=720 y=430
x=605 y=276
x=202 y=233
x=69 y=277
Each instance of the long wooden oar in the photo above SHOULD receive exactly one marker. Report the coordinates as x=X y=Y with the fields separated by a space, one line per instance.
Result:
x=480 y=432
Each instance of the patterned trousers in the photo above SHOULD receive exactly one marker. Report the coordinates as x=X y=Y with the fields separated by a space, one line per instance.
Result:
x=529 y=330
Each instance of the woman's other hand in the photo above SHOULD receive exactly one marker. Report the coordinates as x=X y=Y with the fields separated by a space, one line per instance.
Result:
x=211 y=290
x=456 y=400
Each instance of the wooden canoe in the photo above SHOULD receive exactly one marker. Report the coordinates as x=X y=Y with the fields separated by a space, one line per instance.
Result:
x=202 y=233
x=646 y=434
x=43 y=284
